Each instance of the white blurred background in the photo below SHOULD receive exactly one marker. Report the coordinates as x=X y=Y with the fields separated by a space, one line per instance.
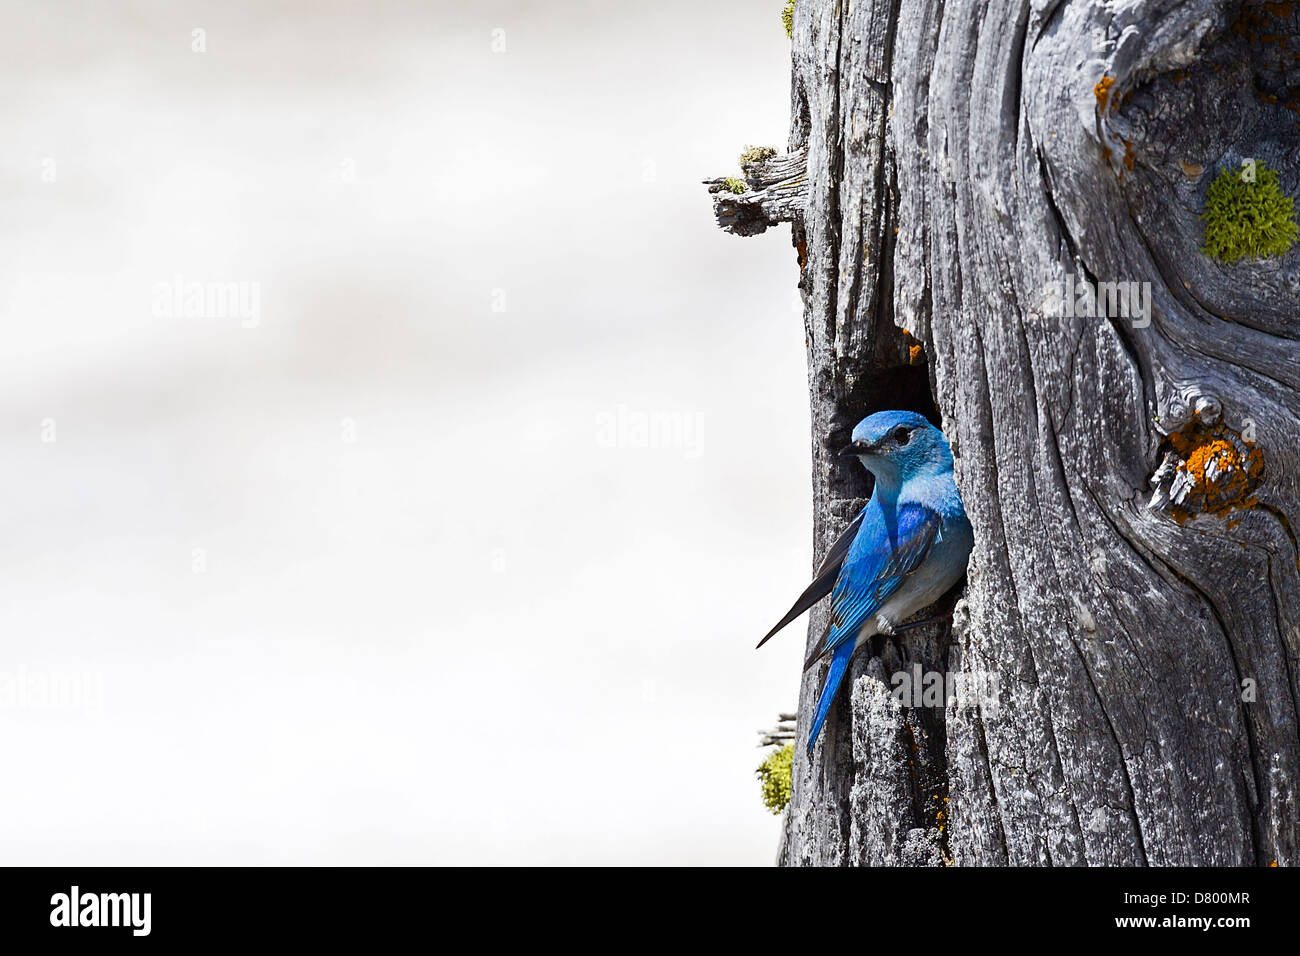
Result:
x=457 y=550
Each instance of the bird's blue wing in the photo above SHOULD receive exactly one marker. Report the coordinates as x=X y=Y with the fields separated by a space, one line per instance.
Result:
x=825 y=577
x=881 y=557
x=879 y=560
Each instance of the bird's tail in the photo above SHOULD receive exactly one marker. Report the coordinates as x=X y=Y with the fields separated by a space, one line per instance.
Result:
x=834 y=677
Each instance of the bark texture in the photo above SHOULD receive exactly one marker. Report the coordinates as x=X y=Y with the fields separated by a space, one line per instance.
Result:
x=1135 y=584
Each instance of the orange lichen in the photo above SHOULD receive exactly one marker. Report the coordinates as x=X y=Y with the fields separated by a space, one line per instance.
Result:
x=1218 y=471
x=1129 y=153
x=1102 y=90
x=915 y=350
x=802 y=248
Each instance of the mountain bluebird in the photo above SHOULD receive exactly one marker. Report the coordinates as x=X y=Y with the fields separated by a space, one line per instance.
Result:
x=901 y=553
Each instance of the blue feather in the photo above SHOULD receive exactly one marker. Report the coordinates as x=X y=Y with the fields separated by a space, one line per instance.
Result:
x=839 y=667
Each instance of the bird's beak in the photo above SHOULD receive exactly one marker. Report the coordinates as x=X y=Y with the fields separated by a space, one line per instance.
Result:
x=857 y=448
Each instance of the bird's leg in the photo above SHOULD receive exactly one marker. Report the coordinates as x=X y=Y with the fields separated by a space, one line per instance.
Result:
x=900 y=628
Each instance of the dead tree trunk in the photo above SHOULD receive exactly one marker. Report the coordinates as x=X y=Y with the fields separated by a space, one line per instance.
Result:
x=1135 y=584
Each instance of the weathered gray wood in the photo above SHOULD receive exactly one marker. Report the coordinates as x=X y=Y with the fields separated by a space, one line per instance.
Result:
x=961 y=162
x=778 y=188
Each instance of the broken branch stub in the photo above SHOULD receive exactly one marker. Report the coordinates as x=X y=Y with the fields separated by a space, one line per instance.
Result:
x=777 y=191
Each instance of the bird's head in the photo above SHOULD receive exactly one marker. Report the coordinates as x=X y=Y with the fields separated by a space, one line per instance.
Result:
x=895 y=446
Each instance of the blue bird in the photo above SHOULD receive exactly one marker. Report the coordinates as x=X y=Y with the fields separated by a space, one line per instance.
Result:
x=900 y=554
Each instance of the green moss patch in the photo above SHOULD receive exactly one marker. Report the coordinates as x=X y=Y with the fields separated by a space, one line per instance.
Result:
x=1245 y=218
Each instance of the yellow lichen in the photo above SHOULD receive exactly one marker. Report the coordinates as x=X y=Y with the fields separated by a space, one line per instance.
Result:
x=1218 y=469
x=775 y=774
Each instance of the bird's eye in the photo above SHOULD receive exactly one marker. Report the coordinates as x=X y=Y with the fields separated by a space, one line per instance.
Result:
x=902 y=434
